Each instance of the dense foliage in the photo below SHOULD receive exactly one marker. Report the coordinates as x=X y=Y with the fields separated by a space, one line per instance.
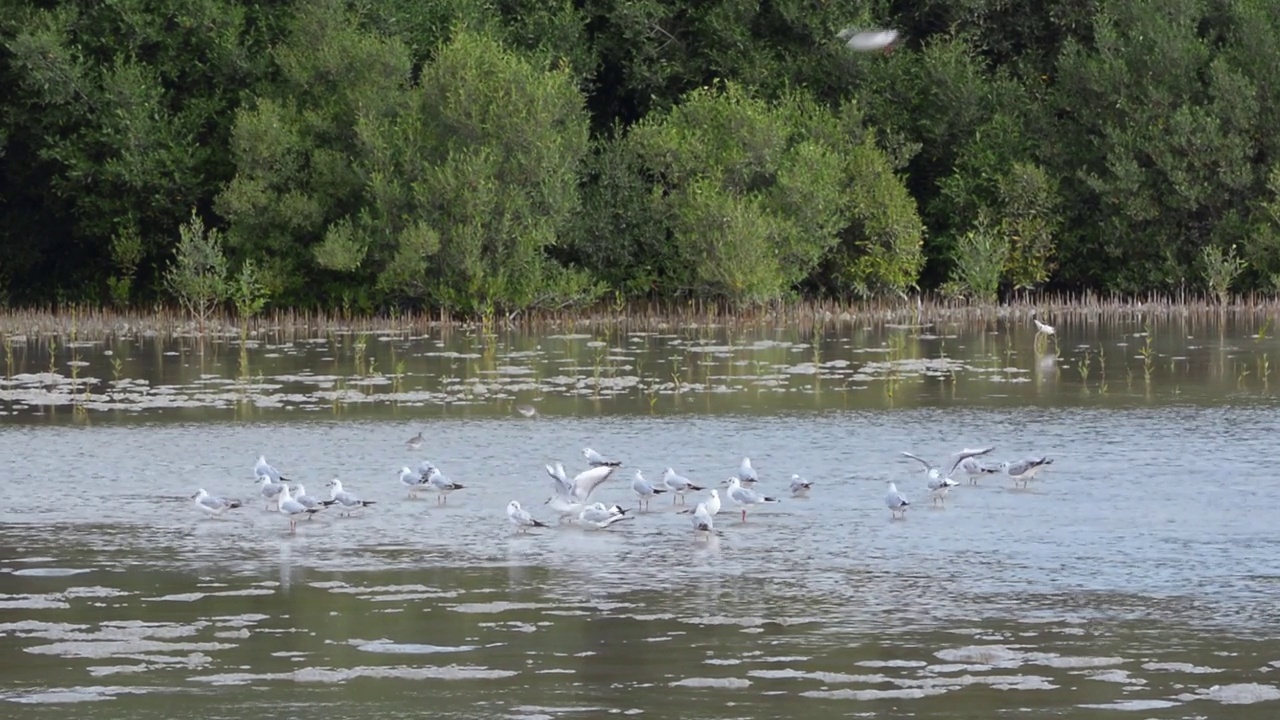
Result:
x=483 y=157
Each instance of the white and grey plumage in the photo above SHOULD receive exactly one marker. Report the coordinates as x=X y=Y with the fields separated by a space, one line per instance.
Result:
x=644 y=490
x=300 y=496
x=213 y=505
x=586 y=482
x=747 y=474
x=264 y=469
x=896 y=501
x=424 y=468
x=974 y=469
x=564 y=506
x=800 y=487
x=412 y=481
x=521 y=517
x=745 y=497
x=527 y=410
x=414 y=442
x=1042 y=328
x=1024 y=471
x=934 y=472
x=562 y=484
x=595 y=459
x=939 y=487
x=702 y=519
x=344 y=499
x=291 y=509
x=270 y=491
x=868 y=40
x=601 y=517
x=678 y=485
x=442 y=485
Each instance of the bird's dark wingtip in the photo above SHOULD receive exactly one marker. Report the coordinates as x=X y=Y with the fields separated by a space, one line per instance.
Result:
x=696 y=487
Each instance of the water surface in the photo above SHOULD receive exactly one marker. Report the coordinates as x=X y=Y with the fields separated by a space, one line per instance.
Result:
x=1135 y=578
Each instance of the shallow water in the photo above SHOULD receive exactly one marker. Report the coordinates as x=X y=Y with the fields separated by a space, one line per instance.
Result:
x=1135 y=578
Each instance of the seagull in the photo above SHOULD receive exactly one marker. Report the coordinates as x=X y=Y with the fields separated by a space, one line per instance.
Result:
x=213 y=505
x=896 y=502
x=974 y=469
x=564 y=506
x=595 y=459
x=264 y=469
x=602 y=517
x=867 y=40
x=587 y=481
x=745 y=497
x=411 y=480
x=442 y=485
x=939 y=487
x=521 y=517
x=271 y=491
x=563 y=486
x=1024 y=471
x=934 y=473
x=527 y=410
x=291 y=508
x=702 y=522
x=800 y=487
x=747 y=474
x=677 y=484
x=712 y=503
x=644 y=490
x=1042 y=328
x=346 y=500
x=414 y=442
x=302 y=498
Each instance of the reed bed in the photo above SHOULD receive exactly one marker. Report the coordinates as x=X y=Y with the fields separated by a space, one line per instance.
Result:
x=88 y=323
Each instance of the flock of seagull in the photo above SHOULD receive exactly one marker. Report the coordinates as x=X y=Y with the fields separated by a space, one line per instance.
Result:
x=571 y=500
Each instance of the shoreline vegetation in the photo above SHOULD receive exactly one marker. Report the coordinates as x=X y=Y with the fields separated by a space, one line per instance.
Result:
x=82 y=322
x=548 y=159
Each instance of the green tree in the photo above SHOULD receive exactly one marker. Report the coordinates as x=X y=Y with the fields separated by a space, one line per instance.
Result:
x=197 y=276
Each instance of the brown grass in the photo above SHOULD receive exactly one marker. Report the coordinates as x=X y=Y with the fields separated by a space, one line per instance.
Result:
x=1068 y=310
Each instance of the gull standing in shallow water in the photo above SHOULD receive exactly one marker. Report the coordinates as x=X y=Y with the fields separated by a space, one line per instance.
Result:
x=271 y=491
x=974 y=469
x=412 y=480
x=747 y=474
x=442 y=485
x=800 y=487
x=263 y=469
x=564 y=506
x=745 y=497
x=602 y=517
x=896 y=502
x=521 y=517
x=595 y=459
x=677 y=484
x=702 y=522
x=213 y=505
x=644 y=490
x=291 y=509
x=302 y=498
x=1024 y=471
x=344 y=499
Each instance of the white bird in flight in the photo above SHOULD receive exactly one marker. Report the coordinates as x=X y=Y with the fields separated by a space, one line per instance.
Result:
x=1042 y=328
x=521 y=517
x=583 y=484
x=868 y=40
x=745 y=497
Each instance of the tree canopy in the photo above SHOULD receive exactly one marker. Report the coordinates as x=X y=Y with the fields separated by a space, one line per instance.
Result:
x=482 y=157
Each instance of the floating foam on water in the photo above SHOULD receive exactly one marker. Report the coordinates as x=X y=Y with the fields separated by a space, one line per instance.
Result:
x=892 y=663
x=334 y=675
x=120 y=648
x=32 y=602
x=705 y=682
x=900 y=694
x=1133 y=705
x=386 y=646
x=37 y=626
x=1236 y=694
x=95 y=592
x=193 y=596
x=1181 y=667
x=1114 y=675
x=497 y=607
x=1005 y=656
x=50 y=572
x=74 y=695
x=825 y=677
x=722 y=661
